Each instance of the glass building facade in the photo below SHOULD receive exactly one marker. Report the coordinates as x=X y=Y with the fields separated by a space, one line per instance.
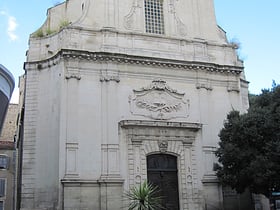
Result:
x=7 y=84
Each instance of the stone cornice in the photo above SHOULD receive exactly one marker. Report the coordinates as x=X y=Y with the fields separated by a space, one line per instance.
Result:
x=161 y=124
x=103 y=57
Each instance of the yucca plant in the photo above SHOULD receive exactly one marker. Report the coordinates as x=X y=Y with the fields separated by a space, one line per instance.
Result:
x=144 y=197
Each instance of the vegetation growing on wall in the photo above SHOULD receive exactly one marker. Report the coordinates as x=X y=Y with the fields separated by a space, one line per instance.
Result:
x=42 y=33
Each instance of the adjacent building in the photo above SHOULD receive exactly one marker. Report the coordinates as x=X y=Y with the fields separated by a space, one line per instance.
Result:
x=118 y=92
x=7 y=84
x=8 y=159
x=7 y=171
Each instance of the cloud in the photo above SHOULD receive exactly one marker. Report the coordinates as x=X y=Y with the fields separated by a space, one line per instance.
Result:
x=3 y=12
x=11 y=25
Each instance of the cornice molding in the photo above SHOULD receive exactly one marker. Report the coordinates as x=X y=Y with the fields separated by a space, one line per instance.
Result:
x=161 y=124
x=103 y=57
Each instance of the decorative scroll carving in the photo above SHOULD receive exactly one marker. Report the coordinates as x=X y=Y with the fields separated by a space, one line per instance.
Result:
x=130 y=18
x=158 y=85
x=181 y=27
x=159 y=101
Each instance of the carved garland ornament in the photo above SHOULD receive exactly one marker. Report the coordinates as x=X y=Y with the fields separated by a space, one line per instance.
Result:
x=159 y=101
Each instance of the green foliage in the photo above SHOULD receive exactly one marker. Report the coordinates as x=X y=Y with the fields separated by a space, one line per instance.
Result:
x=249 y=150
x=144 y=197
x=63 y=24
x=50 y=32
x=38 y=33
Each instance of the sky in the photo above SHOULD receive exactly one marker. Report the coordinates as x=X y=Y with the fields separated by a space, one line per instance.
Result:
x=255 y=24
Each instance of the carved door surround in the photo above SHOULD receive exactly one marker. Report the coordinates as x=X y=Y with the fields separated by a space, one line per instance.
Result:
x=144 y=138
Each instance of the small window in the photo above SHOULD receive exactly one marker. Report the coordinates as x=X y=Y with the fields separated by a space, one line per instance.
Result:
x=2 y=187
x=277 y=202
x=154 y=16
x=4 y=162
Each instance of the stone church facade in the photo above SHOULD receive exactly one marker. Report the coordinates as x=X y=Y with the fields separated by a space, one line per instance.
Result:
x=118 y=92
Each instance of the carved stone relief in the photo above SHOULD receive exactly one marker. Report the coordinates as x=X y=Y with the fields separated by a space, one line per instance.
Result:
x=180 y=26
x=130 y=18
x=159 y=101
x=163 y=145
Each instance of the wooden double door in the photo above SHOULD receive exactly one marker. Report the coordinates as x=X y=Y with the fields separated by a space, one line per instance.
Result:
x=162 y=172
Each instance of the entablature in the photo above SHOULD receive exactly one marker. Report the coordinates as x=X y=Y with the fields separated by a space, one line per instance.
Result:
x=105 y=57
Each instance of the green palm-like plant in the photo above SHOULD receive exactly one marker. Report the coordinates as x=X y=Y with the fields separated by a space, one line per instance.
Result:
x=144 y=197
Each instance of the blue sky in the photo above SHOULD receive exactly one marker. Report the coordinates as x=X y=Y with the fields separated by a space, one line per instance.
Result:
x=255 y=24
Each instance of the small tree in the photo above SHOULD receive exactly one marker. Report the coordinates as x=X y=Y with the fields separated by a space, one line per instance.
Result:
x=249 y=150
x=144 y=197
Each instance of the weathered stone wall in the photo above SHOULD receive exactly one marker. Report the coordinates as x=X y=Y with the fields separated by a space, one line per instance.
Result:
x=10 y=123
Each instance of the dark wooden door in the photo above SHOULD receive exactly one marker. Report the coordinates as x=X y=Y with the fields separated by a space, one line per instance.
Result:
x=162 y=171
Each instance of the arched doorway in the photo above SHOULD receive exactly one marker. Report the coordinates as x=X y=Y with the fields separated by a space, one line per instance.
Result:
x=162 y=171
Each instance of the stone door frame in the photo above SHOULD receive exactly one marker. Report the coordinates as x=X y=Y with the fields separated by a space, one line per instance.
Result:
x=144 y=138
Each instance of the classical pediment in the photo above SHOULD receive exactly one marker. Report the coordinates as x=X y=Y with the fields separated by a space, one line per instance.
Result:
x=159 y=101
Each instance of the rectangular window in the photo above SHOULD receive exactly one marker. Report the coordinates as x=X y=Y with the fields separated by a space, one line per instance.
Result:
x=4 y=162
x=2 y=187
x=277 y=202
x=1 y=205
x=154 y=16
